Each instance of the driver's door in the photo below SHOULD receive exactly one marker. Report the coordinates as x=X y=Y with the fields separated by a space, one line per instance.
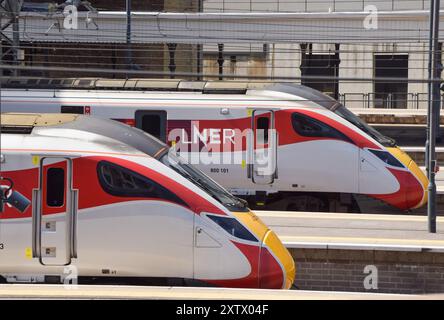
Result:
x=54 y=213
x=262 y=147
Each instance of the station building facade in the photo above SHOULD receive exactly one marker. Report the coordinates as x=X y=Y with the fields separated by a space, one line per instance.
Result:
x=343 y=60
x=300 y=60
x=153 y=57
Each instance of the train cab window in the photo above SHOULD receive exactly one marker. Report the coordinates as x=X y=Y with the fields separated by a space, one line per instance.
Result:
x=233 y=227
x=309 y=127
x=262 y=125
x=121 y=182
x=387 y=157
x=55 y=187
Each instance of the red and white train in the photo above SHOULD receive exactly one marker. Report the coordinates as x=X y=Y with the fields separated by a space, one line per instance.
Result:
x=112 y=201
x=294 y=148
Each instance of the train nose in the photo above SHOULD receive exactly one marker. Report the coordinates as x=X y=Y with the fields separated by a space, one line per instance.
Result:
x=276 y=269
x=415 y=184
x=424 y=181
x=276 y=265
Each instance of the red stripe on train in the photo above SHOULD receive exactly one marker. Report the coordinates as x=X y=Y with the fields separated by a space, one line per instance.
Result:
x=91 y=193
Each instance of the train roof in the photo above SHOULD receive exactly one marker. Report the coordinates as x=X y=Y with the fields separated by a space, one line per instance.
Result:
x=206 y=86
x=287 y=90
x=26 y=123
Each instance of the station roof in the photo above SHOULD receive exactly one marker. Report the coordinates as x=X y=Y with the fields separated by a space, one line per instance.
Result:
x=160 y=27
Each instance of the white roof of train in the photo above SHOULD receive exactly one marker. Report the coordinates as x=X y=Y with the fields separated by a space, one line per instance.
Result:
x=213 y=93
x=77 y=134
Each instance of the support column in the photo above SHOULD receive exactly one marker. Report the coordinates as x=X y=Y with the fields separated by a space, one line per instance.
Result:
x=303 y=66
x=129 y=53
x=337 y=62
x=11 y=10
x=172 y=65
x=15 y=37
x=220 y=59
x=433 y=113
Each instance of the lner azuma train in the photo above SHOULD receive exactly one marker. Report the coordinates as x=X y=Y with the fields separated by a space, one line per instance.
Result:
x=95 y=198
x=279 y=146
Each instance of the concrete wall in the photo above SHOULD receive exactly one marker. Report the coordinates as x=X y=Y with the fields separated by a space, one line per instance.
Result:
x=109 y=56
x=312 y=6
x=357 y=61
x=284 y=60
x=149 y=57
x=343 y=270
x=185 y=59
x=118 y=5
x=242 y=66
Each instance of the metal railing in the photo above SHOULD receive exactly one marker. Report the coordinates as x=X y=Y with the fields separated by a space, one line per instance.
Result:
x=313 y=6
x=386 y=100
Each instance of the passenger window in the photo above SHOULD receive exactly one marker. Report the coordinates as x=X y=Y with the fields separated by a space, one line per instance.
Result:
x=309 y=127
x=55 y=187
x=263 y=125
x=72 y=109
x=122 y=182
x=151 y=124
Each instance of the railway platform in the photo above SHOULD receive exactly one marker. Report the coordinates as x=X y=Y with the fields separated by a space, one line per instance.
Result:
x=355 y=231
x=33 y=291
x=332 y=251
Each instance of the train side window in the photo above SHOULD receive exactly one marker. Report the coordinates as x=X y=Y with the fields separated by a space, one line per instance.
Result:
x=152 y=122
x=72 y=109
x=309 y=127
x=55 y=187
x=121 y=182
x=263 y=125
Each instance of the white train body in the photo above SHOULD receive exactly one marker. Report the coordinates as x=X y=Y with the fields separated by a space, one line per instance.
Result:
x=316 y=149
x=98 y=198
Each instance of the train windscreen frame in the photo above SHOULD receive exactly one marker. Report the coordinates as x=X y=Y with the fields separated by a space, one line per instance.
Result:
x=346 y=114
x=333 y=105
x=200 y=179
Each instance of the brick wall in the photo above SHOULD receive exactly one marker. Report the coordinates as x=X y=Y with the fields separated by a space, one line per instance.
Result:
x=343 y=270
x=119 y=5
x=148 y=57
x=139 y=5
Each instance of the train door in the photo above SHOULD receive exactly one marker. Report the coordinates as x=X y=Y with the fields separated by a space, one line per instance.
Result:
x=153 y=122
x=262 y=147
x=54 y=216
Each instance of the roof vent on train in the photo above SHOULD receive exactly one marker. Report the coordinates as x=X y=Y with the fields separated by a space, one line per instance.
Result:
x=306 y=93
x=24 y=123
x=204 y=86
